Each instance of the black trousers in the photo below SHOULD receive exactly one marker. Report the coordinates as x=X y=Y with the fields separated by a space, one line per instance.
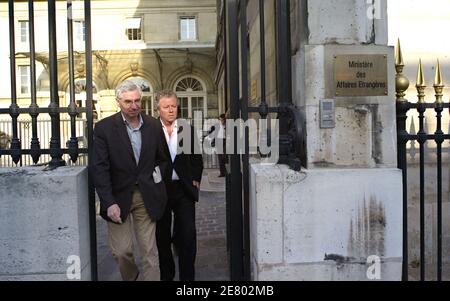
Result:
x=184 y=235
x=222 y=156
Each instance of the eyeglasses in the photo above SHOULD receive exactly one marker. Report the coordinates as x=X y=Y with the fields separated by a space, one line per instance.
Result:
x=129 y=102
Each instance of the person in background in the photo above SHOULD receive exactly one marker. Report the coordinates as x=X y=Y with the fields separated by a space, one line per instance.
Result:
x=220 y=145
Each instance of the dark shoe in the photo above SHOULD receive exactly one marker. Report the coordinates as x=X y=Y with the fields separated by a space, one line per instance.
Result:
x=221 y=176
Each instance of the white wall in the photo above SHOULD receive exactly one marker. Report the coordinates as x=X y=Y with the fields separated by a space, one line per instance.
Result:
x=44 y=219
x=297 y=219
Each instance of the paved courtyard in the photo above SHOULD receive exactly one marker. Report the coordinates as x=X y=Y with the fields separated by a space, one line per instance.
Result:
x=212 y=259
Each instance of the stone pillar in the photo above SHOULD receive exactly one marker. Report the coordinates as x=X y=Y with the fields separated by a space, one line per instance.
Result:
x=44 y=222
x=324 y=224
x=345 y=208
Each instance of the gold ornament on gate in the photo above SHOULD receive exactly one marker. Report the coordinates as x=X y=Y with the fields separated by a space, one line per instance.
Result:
x=420 y=84
x=438 y=83
x=401 y=81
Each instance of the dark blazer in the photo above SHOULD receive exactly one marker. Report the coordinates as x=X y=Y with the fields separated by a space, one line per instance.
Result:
x=115 y=171
x=189 y=167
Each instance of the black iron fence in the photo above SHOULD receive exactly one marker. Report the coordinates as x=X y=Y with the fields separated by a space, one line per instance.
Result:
x=43 y=127
x=35 y=147
x=55 y=149
x=235 y=36
x=422 y=137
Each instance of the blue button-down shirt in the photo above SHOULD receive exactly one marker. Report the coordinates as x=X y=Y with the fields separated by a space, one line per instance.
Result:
x=135 y=137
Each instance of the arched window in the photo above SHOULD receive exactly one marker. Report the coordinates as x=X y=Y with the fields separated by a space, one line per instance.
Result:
x=189 y=84
x=147 y=95
x=43 y=82
x=192 y=96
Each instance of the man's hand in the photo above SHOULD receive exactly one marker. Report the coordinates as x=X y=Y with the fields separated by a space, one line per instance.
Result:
x=114 y=213
x=196 y=184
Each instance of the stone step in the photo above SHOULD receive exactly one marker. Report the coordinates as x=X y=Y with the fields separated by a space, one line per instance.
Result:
x=212 y=188
x=216 y=180
x=214 y=177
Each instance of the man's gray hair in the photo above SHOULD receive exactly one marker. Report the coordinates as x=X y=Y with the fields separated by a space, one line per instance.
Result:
x=163 y=94
x=127 y=86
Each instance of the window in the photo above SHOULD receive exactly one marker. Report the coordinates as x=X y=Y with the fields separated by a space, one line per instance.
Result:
x=43 y=82
x=133 y=29
x=191 y=97
x=23 y=27
x=188 y=29
x=183 y=107
x=189 y=84
x=79 y=30
x=24 y=79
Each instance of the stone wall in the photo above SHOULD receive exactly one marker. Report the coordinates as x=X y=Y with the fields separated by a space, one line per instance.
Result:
x=44 y=220
x=325 y=224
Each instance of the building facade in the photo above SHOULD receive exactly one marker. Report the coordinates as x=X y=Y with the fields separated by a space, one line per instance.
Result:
x=158 y=44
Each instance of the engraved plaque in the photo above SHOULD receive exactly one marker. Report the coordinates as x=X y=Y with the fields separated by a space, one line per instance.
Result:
x=360 y=75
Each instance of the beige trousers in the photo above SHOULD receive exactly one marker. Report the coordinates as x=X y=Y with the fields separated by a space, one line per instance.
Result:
x=121 y=242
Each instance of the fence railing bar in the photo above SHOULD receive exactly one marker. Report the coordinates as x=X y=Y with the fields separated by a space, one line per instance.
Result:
x=439 y=140
x=90 y=136
x=43 y=151
x=42 y=110
x=55 y=141
x=263 y=107
x=33 y=109
x=422 y=139
x=13 y=110
x=72 y=108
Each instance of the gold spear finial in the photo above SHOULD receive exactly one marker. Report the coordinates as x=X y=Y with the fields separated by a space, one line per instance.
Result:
x=420 y=84
x=420 y=77
x=438 y=83
x=438 y=75
x=399 y=55
x=401 y=81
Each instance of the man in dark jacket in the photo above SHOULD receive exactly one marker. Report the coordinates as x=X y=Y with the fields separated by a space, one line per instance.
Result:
x=128 y=159
x=183 y=178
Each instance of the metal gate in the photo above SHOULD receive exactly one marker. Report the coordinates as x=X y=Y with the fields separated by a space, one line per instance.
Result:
x=406 y=109
x=54 y=110
x=236 y=48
